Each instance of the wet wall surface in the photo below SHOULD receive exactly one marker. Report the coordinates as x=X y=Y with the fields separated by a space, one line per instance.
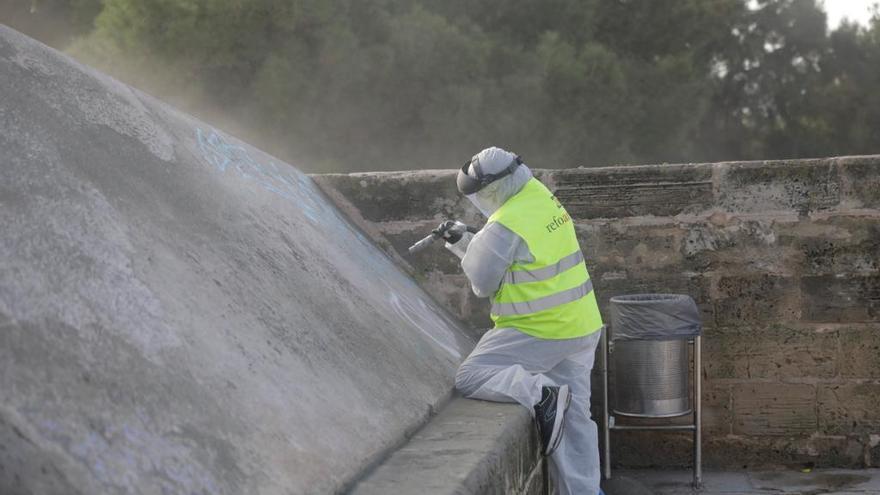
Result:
x=182 y=313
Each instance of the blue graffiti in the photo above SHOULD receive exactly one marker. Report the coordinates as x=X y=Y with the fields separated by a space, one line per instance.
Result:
x=296 y=187
x=223 y=156
x=287 y=182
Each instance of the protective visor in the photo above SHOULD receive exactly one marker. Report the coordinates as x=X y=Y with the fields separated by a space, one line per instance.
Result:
x=469 y=185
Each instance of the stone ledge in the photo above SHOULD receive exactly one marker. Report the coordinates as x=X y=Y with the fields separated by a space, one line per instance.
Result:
x=471 y=447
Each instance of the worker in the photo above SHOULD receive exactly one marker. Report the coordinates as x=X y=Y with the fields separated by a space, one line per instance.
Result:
x=547 y=323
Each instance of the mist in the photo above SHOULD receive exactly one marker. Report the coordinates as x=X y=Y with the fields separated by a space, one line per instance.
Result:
x=347 y=85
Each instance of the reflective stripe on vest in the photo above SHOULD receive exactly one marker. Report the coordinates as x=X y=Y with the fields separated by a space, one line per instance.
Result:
x=551 y=297
x=535 y=305
x=526 y=276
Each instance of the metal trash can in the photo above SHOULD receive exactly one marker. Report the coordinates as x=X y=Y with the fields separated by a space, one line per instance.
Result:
x=647 y=352
x=651 y=378
x=649 y=335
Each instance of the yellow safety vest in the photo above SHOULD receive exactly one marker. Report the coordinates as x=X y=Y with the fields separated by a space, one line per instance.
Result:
x=551 y=298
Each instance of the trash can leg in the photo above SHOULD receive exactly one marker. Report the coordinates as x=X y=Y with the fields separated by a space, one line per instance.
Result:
x=606 y=429
x=698 y=412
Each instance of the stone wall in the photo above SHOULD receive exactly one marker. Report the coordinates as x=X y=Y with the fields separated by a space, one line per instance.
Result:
x=782 y=258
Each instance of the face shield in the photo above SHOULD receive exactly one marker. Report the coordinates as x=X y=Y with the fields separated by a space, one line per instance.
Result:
x=469 y=185
x=487 y=208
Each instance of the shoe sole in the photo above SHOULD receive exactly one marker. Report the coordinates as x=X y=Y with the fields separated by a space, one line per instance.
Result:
x=559 y=423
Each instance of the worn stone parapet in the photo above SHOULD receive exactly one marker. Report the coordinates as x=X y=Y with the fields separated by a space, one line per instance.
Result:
x=470 y=448
x=783 y=258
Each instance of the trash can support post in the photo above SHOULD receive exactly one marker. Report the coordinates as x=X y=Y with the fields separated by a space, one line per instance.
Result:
x=698 y=412
x=606 y=430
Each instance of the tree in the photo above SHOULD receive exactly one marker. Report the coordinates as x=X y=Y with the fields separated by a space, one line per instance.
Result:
x=399 y=84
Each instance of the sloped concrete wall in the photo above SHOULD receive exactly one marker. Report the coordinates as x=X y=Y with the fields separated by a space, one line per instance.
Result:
x=782 y=257
x=182 y=313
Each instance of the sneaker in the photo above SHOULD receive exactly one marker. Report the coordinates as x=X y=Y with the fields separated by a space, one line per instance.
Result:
x=550 y=416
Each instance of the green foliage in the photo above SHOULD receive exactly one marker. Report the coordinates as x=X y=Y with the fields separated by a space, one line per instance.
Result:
x=399 y=84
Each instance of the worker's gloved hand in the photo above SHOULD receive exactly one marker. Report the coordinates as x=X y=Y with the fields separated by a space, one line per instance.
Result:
x=457 y=236
x=451 y=231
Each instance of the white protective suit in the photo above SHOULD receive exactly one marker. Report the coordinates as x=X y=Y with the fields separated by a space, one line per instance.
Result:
x=510 y=366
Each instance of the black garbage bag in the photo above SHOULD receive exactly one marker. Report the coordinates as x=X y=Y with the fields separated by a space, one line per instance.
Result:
x=654 y=317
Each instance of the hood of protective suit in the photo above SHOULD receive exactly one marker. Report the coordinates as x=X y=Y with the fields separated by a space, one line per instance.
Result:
x=491 y=197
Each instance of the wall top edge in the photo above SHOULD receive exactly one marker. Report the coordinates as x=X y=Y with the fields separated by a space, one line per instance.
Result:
x=444 y=173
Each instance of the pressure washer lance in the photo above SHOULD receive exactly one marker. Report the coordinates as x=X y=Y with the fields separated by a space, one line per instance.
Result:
x=436 y=234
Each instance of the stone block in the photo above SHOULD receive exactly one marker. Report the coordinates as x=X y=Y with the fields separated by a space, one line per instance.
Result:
x=849 y=408
x=595 y=248
x=741 y=453
x=735 y=246
x=873 y=451
x=726 y=353
x=861 y=179
x=775 y=351
x=781 y=352
x=766 y=453
x=774 y=409
x=838 y=451
x=717 y=408
x=657 y=190
x=860 y=353
x=756 y=299
x=392 y=196
x=636 y=248
x=830 y=256
x=841 y=298
x=801 y=186
x=837 y=245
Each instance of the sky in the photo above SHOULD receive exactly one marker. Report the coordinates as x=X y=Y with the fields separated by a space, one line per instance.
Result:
x=855 y=10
